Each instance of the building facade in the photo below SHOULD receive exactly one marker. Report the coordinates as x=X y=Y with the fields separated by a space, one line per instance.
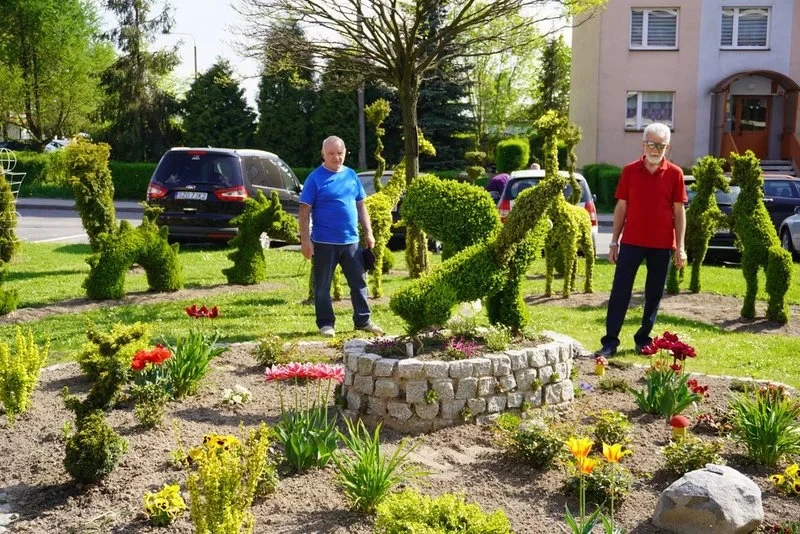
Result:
x=723 y=74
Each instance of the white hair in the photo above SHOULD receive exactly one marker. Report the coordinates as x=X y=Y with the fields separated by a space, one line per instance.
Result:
x=331 y=140
x=659 y=129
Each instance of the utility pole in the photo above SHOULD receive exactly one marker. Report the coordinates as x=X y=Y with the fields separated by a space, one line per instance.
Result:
x=362 y=129
x=194 y=46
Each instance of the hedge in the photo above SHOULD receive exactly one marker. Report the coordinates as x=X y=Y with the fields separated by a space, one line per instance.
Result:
x=602 y=179
x=511 y=154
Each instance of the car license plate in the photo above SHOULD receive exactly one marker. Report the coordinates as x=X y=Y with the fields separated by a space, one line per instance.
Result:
x=723 y=230
x=190 y=195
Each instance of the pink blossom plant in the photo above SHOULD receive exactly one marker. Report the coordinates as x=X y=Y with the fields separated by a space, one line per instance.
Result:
x=306 y=372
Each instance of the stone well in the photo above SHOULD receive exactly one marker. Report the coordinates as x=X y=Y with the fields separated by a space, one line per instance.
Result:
x=397 y=392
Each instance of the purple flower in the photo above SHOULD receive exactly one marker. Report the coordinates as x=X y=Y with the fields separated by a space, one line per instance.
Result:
x=586 y=387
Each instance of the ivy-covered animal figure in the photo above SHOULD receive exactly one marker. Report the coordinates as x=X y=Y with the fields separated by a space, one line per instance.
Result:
x=455 y=213
x=572 y=228
x=759 y=243
x=484 y=269
x=379 y=206
x=118 y=250
x=261 y=215
x=703 y=219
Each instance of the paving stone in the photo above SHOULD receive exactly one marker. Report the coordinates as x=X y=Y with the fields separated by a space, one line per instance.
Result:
x=452 y=409
x=496 y=403
x=415 y=390
x=506 y=383
x=501 y=364
x=476 y=406
x=537 y=357
x=366 y=363
x=399 y=410
x=386 y=388
x=460 y=369
x=514 y=399
x=487 y=385
x=410 y=368
x=466 y=388
x=436 y=369
x=427 y=411
x=385 y=367
x=518 y=358
x=525 y=378
x=444 y=389
x=363 y=384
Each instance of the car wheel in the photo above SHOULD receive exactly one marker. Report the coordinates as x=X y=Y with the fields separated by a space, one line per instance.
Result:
x=786 y=243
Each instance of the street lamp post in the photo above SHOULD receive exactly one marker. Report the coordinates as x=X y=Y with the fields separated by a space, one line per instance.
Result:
x=194 y=47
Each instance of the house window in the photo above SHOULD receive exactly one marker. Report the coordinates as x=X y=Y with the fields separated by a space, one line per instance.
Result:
x=654 y=28
x=645 y=107
x=745 y=27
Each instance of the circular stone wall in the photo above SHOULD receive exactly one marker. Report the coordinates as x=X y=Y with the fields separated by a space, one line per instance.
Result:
x=413 y=395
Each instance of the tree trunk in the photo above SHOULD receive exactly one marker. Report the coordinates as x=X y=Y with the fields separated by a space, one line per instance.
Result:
x=416 y=250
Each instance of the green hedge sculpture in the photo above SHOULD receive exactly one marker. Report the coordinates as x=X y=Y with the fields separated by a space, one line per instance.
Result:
x=87 y=167
x=145 y=245
x=759 y=243
x=261 y=215
x=481 y=270
x=571 y=227
x=703 y=219
x=9 y=244
x=455 y=213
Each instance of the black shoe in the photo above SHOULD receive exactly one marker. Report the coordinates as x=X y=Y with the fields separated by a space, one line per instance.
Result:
x=640 y=348
x=606 y=352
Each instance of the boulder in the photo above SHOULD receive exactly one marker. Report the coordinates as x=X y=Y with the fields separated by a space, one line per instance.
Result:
x=715 y=499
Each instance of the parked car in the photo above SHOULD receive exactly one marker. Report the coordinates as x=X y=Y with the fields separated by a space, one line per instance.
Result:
x=523 y=179
x=789 y=233
x=398 y=239
x=781 y=198
x=56 y=144
x=202 y=189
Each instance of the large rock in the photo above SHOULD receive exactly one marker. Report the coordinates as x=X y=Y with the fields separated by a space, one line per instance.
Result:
x=716 y=499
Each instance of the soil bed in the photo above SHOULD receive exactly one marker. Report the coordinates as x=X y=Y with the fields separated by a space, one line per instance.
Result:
x=462 y=459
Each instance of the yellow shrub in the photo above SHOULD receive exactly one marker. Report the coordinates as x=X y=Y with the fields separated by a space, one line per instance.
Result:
x=19 y=373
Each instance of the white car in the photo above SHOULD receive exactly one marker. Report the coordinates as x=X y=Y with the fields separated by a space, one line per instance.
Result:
x=790 y=233
x=56 y=144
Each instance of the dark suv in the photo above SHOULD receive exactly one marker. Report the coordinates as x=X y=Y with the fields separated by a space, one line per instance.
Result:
x=202 y=189
x=781 y=197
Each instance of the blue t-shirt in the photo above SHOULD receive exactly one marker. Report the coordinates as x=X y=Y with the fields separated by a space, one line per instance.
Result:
x=332 y=197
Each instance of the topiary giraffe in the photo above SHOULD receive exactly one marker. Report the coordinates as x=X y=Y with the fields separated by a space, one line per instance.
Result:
x=758 y=241
x=572 y=228
x=261 y=215
x=703 y=219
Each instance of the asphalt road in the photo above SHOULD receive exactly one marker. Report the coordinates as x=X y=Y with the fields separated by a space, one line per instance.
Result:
x=37 y=225
x=40 y=225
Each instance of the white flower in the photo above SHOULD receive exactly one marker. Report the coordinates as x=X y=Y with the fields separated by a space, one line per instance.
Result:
x=470 y=309
x=237 y=395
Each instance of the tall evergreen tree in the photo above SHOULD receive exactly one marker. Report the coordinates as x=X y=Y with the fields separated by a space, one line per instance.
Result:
x=216 y=111
x=286 y=100
x=552 y=80
x=138 y=111
x=335 y=113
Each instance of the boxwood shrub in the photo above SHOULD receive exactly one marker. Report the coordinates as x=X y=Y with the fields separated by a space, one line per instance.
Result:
x=511 y=154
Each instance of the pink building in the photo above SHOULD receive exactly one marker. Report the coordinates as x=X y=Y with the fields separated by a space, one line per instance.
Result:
x=723 y=74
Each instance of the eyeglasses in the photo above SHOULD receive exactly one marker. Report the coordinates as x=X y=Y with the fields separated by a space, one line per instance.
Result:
x=658 y=146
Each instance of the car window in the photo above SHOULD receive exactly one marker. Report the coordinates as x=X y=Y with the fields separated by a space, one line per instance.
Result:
x=255 y=171
x=288 y=178
x=179 y=169
x=369 y=185
x=778 y=188
x=515 y=187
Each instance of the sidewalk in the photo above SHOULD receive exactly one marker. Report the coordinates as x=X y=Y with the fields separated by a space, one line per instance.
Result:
x=122 y=206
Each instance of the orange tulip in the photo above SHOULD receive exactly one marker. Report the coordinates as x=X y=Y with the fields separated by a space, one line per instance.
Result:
x=585 y=465
x=613 y=453
x=579 y=447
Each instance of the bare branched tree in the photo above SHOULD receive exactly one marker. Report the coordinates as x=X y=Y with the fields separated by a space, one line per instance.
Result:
x=391 y=40
x=394 y=42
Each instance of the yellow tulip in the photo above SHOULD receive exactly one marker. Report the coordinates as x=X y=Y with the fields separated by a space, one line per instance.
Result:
x=585 y=465
x=579 y=447
x=613 y=453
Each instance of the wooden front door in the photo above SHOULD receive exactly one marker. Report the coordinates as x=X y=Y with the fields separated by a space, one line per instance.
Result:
x=750 y=116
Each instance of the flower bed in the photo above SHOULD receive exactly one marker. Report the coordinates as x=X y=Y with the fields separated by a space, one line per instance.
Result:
x=414 y=396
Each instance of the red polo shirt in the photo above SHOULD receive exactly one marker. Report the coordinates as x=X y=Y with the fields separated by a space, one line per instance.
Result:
x=650 y=196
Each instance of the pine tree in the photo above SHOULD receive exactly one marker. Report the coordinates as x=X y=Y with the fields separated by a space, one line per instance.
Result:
x=216 y=110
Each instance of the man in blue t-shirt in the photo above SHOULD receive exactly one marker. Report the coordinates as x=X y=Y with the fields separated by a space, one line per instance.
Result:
x=333 y=198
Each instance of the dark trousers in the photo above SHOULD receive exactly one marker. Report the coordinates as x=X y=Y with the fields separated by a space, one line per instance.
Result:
x=630 y=257
x=326 y=258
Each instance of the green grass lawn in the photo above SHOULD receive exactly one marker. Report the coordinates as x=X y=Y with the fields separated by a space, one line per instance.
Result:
x=48 y=273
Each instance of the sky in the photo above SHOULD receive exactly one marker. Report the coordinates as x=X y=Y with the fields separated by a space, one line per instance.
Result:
x=209 y=24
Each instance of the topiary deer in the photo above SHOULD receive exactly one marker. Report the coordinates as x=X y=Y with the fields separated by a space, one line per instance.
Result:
x=703 y=219
x=572 y=228
x=758 y=241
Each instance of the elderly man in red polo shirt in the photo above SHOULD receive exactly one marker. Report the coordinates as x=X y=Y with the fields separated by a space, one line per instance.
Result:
x=649 y=224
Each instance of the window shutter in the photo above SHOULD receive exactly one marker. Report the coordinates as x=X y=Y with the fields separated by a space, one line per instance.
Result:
x=727 y=28
x=637 y=20
x=752 y=27
x=661 y=28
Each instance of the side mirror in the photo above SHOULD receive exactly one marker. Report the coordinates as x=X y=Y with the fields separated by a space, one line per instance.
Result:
x=797 y=210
